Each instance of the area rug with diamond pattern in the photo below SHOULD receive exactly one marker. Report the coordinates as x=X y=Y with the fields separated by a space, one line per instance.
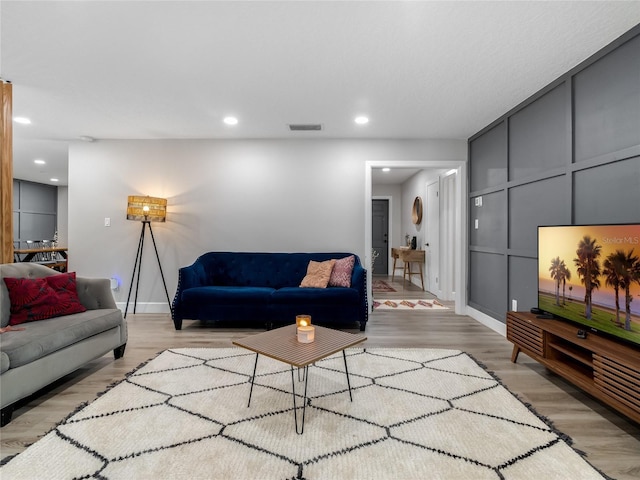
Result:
x=415 y=414
x=380 y=286
x=416 y=305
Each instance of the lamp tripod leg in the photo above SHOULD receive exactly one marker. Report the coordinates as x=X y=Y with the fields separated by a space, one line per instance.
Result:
x=137 y=265
x=135 y=301
x=160 y=266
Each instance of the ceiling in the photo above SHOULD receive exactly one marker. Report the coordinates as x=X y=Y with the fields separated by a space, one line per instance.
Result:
x=395 y=176
x=174 y=69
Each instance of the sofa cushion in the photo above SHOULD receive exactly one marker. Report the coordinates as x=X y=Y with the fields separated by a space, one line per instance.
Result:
x=4 y=362
x=35 y=299
x=302 y=296
x=228 y=295
x=341 y=273
x=318 y=274
x=47 y=336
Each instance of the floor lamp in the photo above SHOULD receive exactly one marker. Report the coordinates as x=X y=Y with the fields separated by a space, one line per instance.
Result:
x=146 y=210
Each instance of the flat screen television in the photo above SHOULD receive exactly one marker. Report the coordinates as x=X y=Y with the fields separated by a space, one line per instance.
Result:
x=590 y=275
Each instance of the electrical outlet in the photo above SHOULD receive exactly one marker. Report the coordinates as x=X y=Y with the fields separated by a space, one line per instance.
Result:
x=114 y=284
x=476 y=223
x=514 y=305
x=107 y=222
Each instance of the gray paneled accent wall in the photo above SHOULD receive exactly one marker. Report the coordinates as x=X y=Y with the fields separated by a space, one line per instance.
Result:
x=490 y=168
x=570 y=154
x=606 y=103
x=35 y=207
x=490 y=236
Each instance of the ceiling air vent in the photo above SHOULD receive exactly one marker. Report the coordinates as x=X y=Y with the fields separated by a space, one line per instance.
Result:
x=305 y=127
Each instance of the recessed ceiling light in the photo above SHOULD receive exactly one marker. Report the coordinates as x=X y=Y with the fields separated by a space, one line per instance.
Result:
x=230 y=120
x=54 y=179
x=361 y=120
x=22 y=120
x=386 y=169
x=39 y=161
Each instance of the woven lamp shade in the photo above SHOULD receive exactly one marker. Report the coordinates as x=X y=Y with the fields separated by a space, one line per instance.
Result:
x=157 y=208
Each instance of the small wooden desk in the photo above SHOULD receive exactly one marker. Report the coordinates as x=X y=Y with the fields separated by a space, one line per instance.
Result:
x=30 y=253
x=408 y=256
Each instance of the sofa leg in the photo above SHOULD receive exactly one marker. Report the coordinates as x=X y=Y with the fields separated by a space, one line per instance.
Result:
x=5 y=415
x=119 y=352
x=178 y=324
x=362 y=326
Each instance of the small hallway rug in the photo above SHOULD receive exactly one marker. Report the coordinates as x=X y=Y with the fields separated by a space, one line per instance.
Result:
x=408 y=305
x=380 y=286
x=415 y=414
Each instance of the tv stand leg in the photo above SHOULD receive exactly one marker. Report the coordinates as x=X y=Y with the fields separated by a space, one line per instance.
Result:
x=514 y=354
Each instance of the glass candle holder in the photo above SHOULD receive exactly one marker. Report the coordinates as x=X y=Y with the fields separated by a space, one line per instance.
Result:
x=306 y=334
x=303 y=320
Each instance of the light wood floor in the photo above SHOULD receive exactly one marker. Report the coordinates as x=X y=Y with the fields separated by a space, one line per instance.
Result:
x=611 y=442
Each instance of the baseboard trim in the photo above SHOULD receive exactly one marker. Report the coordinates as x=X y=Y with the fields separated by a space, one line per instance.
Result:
x=145 y=307
x=492 y=323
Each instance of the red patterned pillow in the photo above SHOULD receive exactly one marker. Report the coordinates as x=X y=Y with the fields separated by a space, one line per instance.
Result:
x=342 y=270
x=35 y=299
x=66 y=292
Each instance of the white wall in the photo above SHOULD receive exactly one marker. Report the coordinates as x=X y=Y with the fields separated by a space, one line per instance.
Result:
x=240 y=195
x=416 y=186
x=63 y=216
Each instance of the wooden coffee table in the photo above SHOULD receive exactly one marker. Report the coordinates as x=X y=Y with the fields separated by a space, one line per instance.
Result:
x=282 y=344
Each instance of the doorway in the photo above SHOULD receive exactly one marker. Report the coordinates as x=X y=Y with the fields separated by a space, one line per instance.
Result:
x=457 y=213
x=380 y=236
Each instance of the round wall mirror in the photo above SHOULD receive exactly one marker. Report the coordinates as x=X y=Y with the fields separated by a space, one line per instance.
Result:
x=416 y=211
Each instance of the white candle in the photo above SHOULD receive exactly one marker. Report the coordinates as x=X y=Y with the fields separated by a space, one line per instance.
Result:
x=306 y=334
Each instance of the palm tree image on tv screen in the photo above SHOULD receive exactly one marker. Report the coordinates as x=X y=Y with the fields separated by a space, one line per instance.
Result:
x=591 y=275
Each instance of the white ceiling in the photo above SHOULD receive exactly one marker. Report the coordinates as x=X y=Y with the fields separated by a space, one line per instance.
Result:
x=395 y=176
x=174 y=69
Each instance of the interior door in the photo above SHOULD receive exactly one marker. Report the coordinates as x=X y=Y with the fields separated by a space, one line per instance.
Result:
x=380 y=236
x=432 y=239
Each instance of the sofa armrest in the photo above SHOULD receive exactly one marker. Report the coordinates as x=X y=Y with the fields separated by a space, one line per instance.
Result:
x=359 y=282
x=188 y=277
x=192 y=276
x=95 y=293
x=357 y=277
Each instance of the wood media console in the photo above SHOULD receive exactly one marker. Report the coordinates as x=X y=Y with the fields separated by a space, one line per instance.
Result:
x=604 y=368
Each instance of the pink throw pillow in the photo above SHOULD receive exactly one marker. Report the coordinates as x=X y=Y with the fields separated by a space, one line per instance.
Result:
x=342 y=270
x=318 y=274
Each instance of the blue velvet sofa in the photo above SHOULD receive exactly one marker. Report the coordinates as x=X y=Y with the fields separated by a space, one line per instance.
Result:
x=243 y=287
